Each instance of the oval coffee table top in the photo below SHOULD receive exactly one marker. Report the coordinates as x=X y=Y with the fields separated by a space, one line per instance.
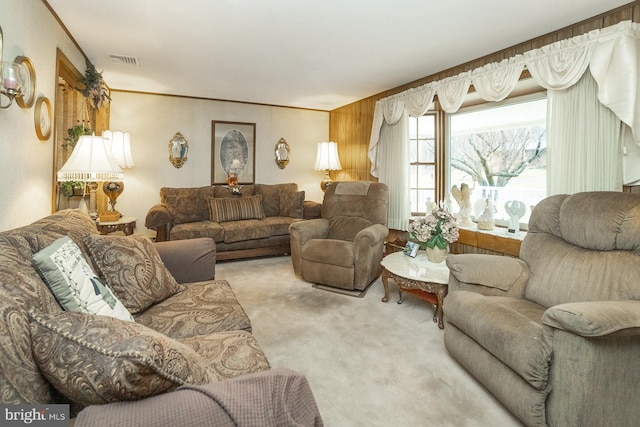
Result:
x=418 y=268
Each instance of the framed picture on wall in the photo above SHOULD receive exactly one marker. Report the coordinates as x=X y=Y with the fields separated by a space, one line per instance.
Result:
x=233 y=151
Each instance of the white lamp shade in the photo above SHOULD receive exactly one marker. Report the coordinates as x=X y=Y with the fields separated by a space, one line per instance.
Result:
x=91 y=161
x=327 y=157
x=120 y=145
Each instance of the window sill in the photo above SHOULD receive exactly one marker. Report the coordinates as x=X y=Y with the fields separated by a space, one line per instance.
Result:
x=498 y=240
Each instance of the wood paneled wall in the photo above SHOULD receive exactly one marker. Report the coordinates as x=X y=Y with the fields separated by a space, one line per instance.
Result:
x=350 y=126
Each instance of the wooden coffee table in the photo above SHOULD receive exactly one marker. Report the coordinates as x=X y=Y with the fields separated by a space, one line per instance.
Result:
x=418 y=276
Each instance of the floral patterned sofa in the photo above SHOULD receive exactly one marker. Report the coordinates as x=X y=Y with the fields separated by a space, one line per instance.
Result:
x=182 y=334
x=254 y=224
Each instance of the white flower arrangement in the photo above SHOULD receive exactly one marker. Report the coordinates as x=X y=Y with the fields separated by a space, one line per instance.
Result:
x=439 y=228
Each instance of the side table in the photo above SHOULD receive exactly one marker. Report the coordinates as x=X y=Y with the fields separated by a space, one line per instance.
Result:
x=125 y=224
x=418 y=276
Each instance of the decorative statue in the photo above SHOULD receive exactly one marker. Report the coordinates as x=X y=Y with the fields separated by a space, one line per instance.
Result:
x=516 y=210
x=486 y=220
x=463 y=197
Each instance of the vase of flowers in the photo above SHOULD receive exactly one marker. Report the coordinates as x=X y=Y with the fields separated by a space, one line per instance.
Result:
x=434 y=232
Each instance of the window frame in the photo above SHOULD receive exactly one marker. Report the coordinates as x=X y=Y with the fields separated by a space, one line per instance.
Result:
x=472 y=105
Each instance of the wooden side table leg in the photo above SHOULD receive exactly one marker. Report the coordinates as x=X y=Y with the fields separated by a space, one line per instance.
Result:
x=385 y=283
x=438 y=317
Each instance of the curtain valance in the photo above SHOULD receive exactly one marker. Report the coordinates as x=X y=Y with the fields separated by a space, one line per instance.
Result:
x=612 y=55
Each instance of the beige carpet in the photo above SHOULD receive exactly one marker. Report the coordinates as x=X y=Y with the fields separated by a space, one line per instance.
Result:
x=369 y=363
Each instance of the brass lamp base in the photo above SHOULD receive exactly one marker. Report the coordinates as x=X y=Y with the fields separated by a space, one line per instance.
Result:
x=112 y=190
x=326 y=182
x=109 y=216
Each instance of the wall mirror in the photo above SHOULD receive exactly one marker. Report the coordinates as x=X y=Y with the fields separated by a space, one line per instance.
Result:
x=178 y=149
x=282 y=151
x=0 y=44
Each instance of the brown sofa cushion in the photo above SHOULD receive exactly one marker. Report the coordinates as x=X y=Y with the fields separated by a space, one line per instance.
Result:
x=186 y=204
x=132 y=268
x=249 y=229
x=98 y=359
x=235 y=209
x=292 y=204
x=272 y=194
x=229 y=354
x=198 y=309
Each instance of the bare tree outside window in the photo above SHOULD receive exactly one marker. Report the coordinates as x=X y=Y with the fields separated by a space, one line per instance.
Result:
x=500 y=153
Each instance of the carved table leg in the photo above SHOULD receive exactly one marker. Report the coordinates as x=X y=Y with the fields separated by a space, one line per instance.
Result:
x=385 y=283
x=441 y=293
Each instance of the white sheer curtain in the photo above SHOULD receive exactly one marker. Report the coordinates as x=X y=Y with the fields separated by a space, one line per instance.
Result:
x=612 y=55
x=584 y=144
x=393 y=148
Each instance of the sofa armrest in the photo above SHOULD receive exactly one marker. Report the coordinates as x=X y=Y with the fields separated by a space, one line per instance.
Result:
x=159 y=219
x=265 y=398
x=312 y=210
x=595 y=318
x=301 y=232
x=488 y=274
x=190 y=260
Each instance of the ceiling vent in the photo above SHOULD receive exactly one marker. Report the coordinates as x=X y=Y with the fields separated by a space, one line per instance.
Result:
x=123 y=59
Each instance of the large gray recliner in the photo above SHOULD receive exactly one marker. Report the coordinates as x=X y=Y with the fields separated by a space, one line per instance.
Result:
x=344 y=248
x=555 y=334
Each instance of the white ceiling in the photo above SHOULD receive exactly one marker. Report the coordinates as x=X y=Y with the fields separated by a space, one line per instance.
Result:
x=319 y=54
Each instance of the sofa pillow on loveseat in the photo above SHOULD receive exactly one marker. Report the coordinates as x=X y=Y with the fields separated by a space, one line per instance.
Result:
x=254 y=224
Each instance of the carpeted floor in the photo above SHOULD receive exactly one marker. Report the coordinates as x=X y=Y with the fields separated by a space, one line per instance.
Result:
x=369 y=363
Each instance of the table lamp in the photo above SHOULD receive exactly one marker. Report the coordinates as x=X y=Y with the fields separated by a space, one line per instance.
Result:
x=119 y=143
x=91 y=161
x=326 y=160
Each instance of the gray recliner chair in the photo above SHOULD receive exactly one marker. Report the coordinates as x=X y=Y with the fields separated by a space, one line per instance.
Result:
x=343 y=249
x=555 y=333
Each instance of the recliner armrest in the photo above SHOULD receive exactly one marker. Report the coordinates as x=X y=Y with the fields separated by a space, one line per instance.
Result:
x=495 y=274
x=595 y=318
x=190 y=260
x=301 y=232
x=371 y=235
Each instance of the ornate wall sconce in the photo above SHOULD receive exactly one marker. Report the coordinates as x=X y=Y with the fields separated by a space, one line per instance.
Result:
x=17 y=80
x=282 y=151
x=178 y=149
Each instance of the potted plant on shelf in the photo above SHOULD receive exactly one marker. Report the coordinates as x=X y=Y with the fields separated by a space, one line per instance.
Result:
x=72 y=188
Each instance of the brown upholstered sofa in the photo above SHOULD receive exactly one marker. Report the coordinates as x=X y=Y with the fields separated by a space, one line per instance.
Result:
x=188 y=339
x=555 y=333
x=255 y=224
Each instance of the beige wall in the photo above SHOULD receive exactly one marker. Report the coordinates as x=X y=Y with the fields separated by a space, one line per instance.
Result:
x=26 y=163
x=152 y=120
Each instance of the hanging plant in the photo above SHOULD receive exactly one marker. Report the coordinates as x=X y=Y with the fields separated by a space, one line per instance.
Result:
x=73 y=134
x=95 y=89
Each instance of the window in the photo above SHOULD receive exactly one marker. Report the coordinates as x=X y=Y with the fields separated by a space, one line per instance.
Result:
x=500 y=152
x=422 y=169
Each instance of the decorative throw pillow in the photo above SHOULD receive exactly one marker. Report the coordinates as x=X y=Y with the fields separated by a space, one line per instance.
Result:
x=99 y=359
x=292 y=204
x=223 y=209
x=133 y=269
x=184 y=207
x=73 y=282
